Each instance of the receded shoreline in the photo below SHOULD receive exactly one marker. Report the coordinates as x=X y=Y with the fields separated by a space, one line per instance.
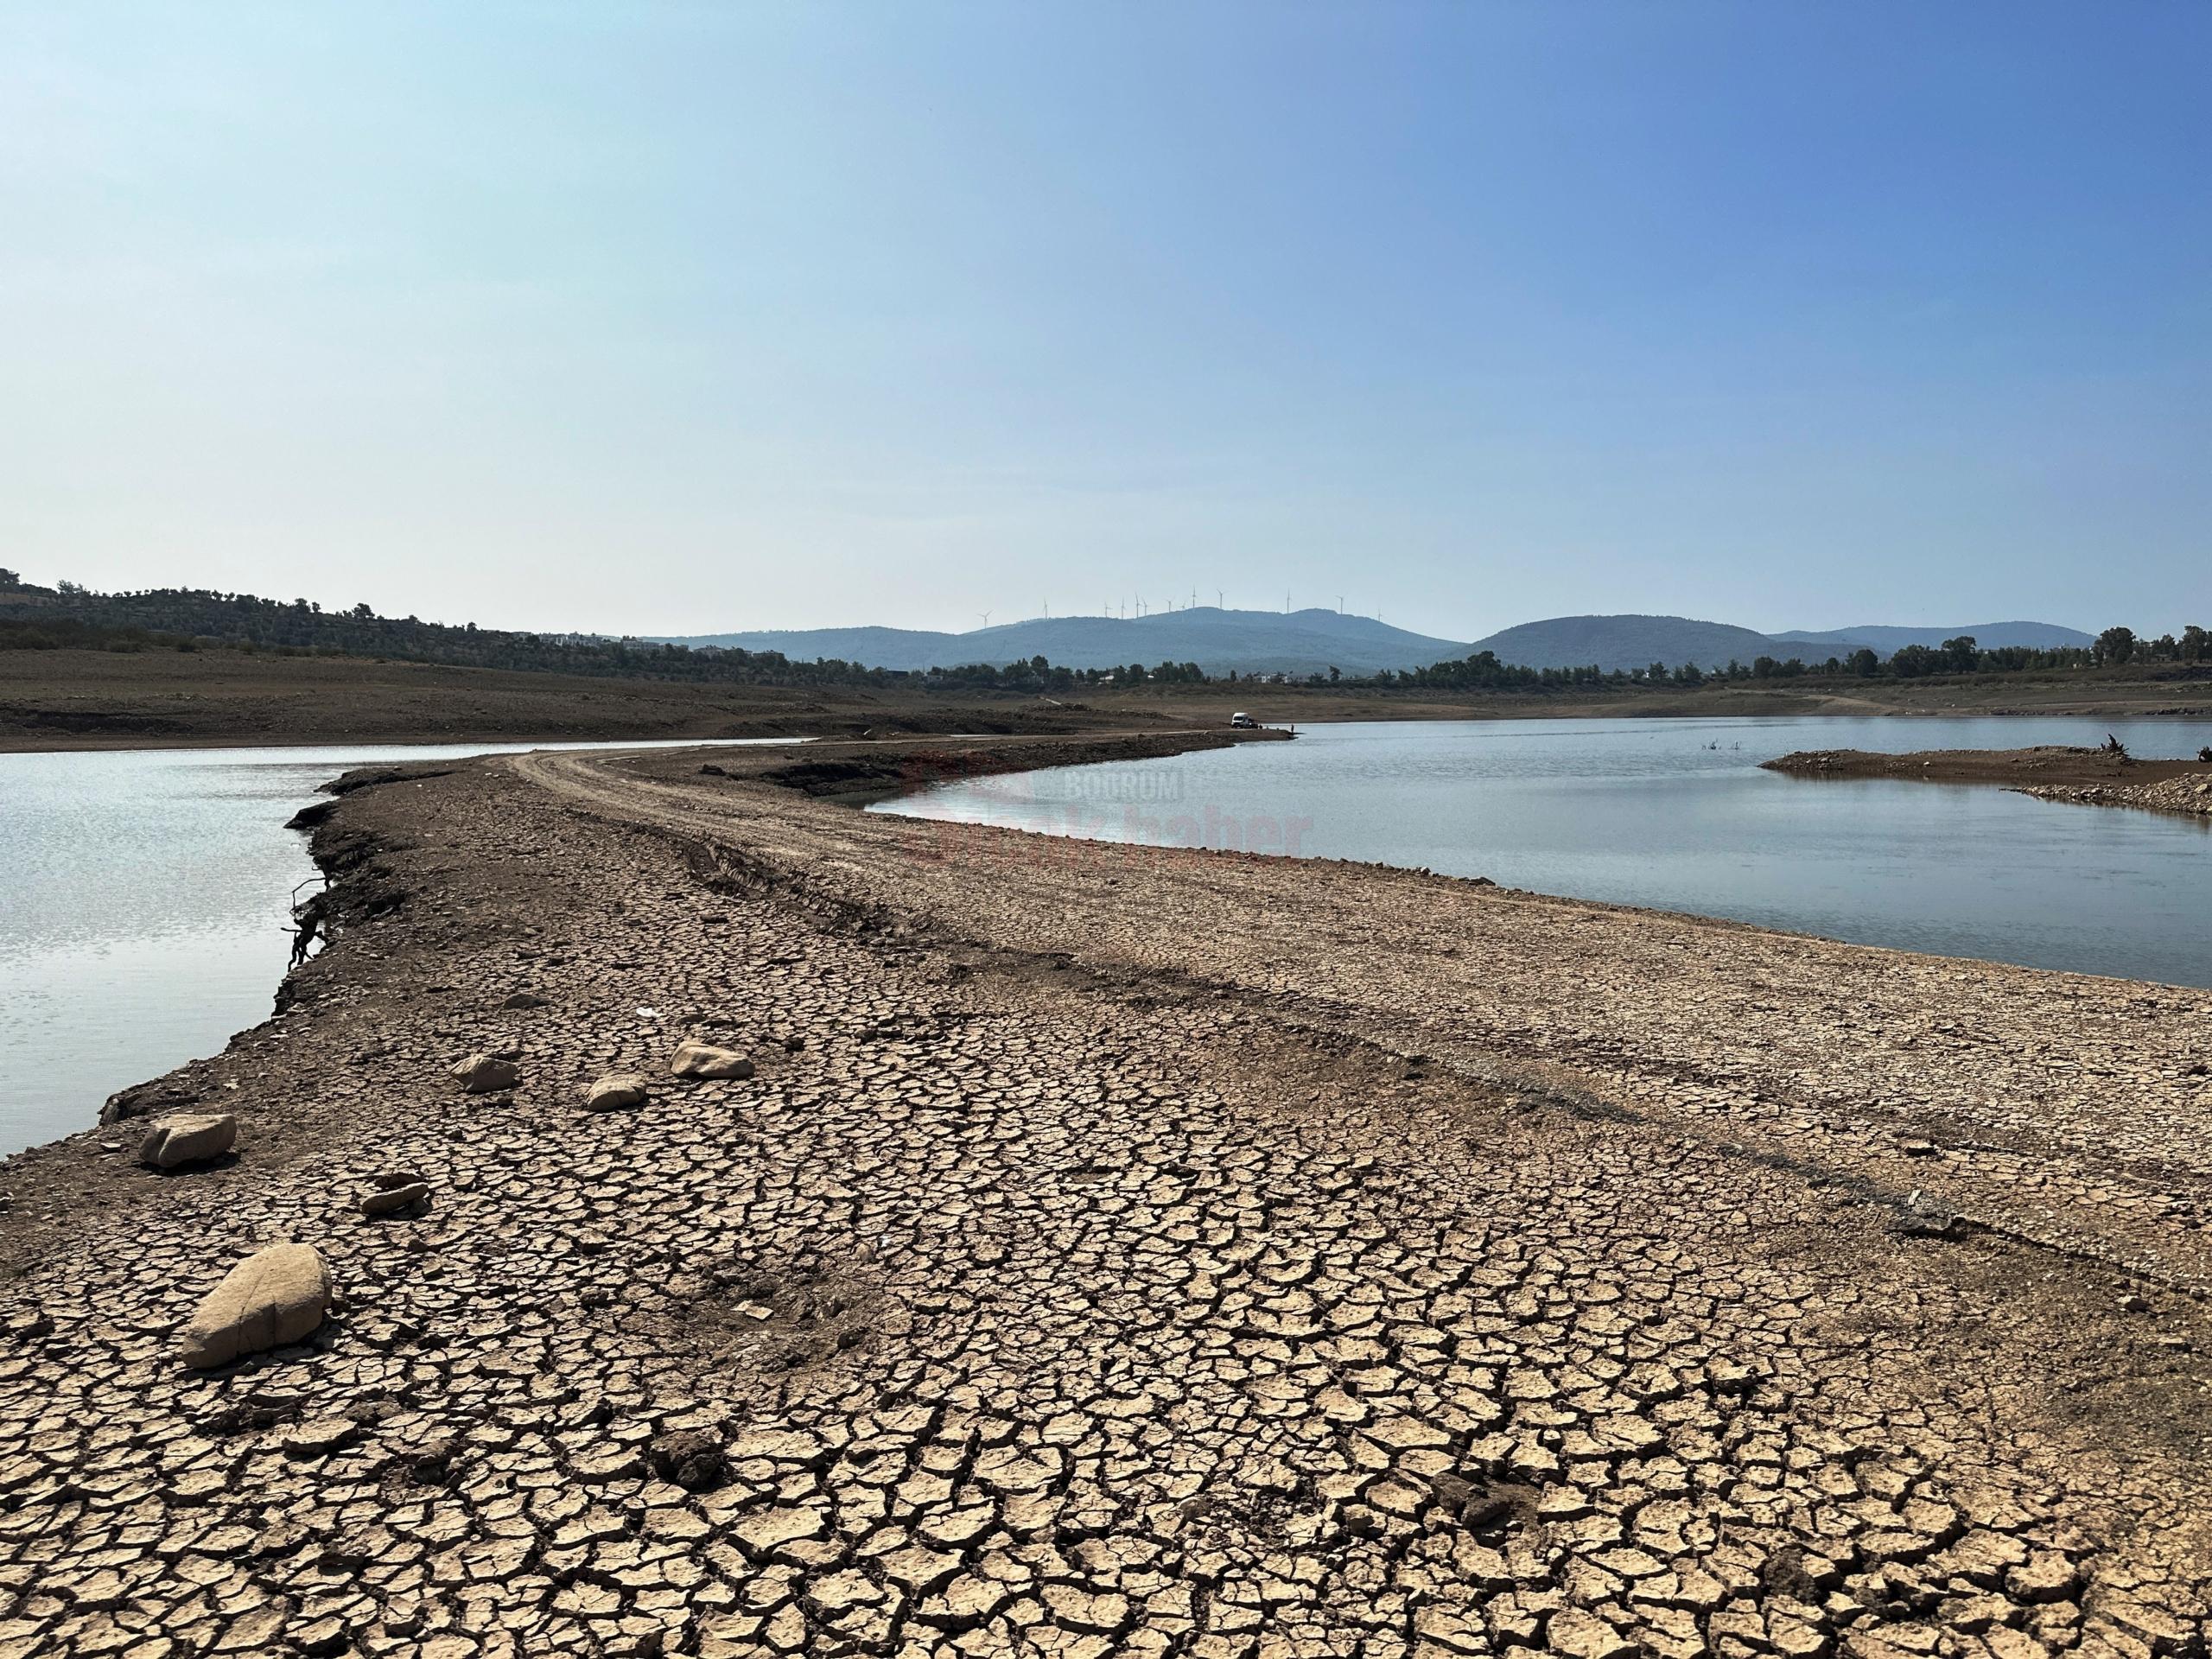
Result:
x=1416 y=1218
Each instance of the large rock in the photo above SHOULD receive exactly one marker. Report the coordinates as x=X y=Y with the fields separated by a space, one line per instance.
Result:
x=481 y=1074
x=273 y=1297
x=696 y=1059
x=194 y=1138
x=617 y=1091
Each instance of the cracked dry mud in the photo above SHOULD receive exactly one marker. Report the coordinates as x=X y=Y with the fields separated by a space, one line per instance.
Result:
x=1148 y=1253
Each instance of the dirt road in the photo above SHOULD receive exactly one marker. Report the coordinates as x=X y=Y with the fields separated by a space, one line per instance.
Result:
x=1121 y=1252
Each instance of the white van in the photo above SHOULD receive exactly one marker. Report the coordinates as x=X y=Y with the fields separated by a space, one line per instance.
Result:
x=1244 y=722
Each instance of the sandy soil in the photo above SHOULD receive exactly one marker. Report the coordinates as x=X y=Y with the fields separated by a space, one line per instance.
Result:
x=1119 y=1251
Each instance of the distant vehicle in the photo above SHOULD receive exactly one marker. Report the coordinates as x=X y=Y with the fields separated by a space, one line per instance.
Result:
x=1244 y=722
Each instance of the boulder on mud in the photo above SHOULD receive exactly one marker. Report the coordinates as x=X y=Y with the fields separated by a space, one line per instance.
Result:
x=193 y=1138
x=524 y=999
x=273 y=1297
x=617 y=1091
x=481 y=1074
x=696 y=1059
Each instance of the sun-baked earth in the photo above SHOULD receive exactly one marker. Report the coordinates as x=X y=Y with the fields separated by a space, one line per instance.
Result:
x=1114 y=1251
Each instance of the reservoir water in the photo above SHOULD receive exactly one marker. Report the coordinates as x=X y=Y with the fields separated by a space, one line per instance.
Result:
x=144 y=897
x=1676 y=814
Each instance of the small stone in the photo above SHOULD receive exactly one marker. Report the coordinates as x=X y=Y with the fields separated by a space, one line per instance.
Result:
x=617 y=1091
x=481 y=1074
x=694 y=1059
x=382 y=1200
x=525 y=1000
x=275 y=1296
x=173 y=1142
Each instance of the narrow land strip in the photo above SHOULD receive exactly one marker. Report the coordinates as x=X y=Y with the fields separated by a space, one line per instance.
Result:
x=2050 y=772
x=1119 y=1251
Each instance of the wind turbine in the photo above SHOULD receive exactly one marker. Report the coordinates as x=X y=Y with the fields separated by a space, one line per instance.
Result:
x=986 y=618
x=1219 y=603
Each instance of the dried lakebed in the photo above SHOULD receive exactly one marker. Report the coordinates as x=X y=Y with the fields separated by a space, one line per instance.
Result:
x=1116 y=1251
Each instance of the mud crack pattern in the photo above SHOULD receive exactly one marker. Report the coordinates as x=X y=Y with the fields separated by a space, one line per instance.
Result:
x=1026 y=1303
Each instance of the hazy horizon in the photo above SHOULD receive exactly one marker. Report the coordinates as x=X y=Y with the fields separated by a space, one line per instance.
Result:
x=675 y=319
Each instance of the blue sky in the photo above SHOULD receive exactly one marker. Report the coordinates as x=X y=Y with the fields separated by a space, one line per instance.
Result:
x=692 y=317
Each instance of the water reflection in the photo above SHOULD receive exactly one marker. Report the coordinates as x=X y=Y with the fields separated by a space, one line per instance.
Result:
x=1677 y=816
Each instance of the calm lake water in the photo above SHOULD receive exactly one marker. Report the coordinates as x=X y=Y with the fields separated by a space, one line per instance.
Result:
x=1675 y=815
x=143 y=916
x=143 y=911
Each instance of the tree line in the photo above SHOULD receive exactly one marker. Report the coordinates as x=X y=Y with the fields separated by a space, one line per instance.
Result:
x=1961 y=655
x=68 y=616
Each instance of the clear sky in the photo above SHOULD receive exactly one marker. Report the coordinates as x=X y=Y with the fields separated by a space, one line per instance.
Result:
x=691 y=317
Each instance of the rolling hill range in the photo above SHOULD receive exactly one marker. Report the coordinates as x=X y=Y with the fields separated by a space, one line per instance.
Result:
x=1629 y=642
x=1250 y=642
x=1314 y=641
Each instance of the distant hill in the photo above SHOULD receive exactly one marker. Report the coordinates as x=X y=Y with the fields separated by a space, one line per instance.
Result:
x=1250 y=642
x=1989 y=636
x=1632 y=641
x=1625 y=642
x=1314 y=641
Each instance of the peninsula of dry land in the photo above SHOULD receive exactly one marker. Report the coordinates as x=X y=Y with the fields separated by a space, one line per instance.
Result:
x=2051 y=771
x=1076 y=1250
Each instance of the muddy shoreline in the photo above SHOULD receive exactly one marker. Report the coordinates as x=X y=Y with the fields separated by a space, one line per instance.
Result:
x=1140 y=1248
